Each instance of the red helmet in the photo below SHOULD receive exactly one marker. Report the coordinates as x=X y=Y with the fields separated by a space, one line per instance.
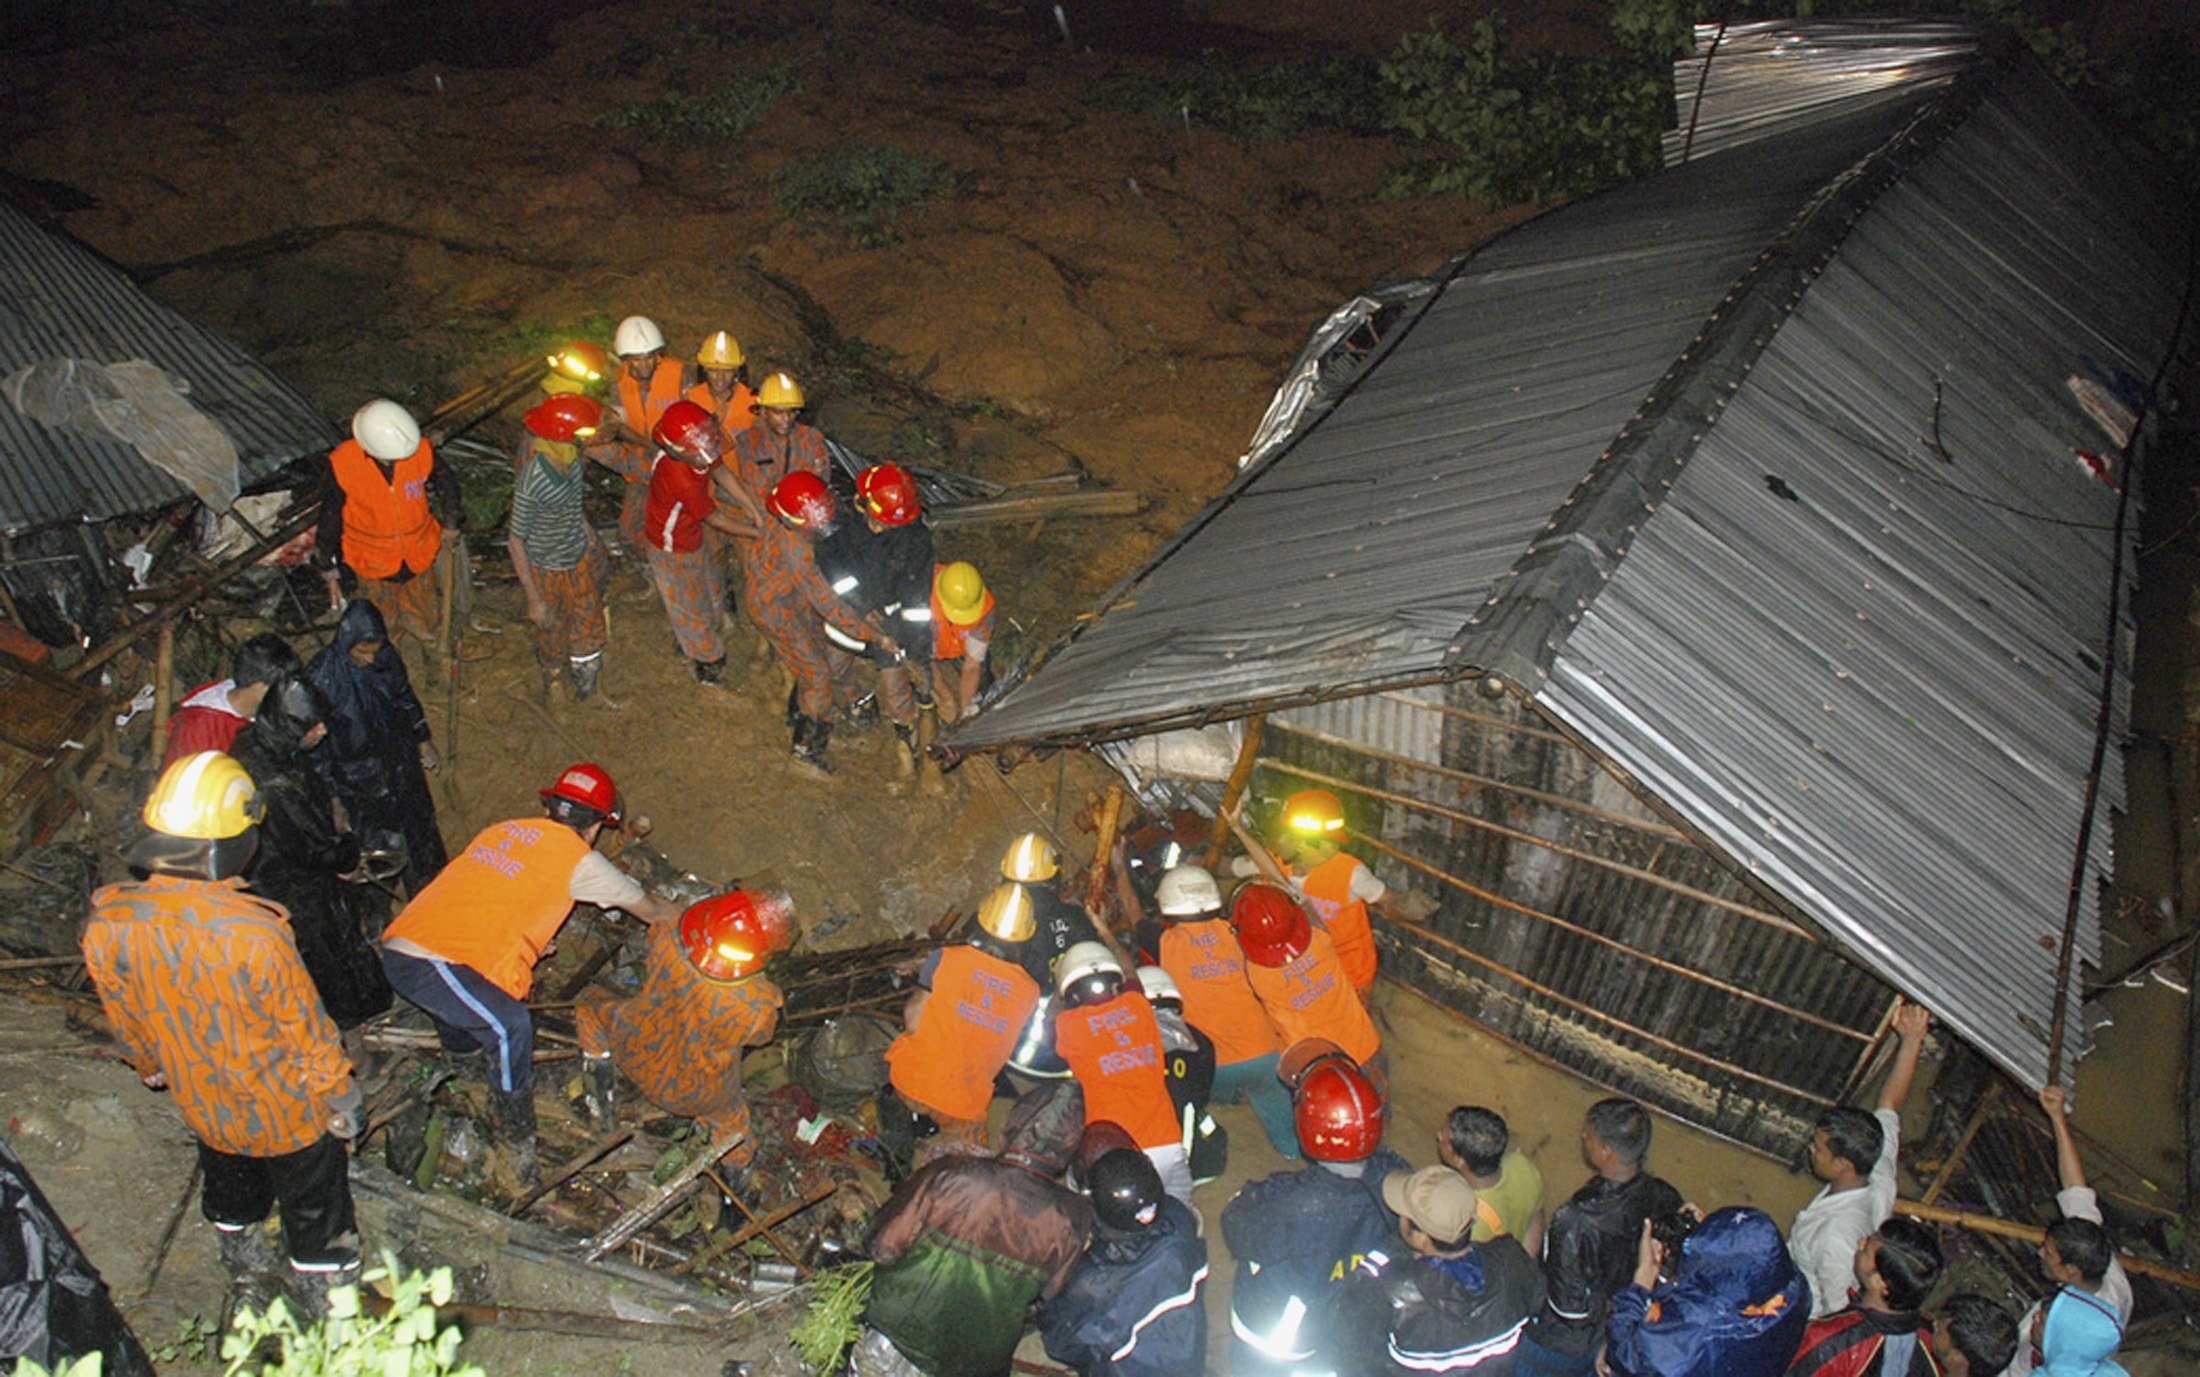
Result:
x=1338 y=1112
x=888 y=493
x=565 y=416
x=732 y=936
x=688 y=432
x=802 y=500
x=589 y=787
x=1270 y=925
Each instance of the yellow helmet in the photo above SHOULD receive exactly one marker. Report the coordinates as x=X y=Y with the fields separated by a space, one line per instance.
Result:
x=1313 y=812
x=962 y=593
x=1008 y=914
x=204 y=797
x=1031 y=858
x=780 y=390
x=721 y=350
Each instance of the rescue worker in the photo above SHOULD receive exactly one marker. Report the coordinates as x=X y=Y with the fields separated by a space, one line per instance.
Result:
x=211 y=715
x=791 y=606
x=1298 y=1235
x=1336 y=886
x=681 y=507
x=384 y=505
x=781 y=445
x=773 y=558
x=577 y=369
x=1294 y=969
x=561 y=566
x=464 y=949
x=724 y=388
x=881 y=567
x=1189 y=1059
x=704 y=1000
x=304 y=858
x=966 y=1245
x=644 y=390
x=1105 y=1029
x=963 y=615
x=972 y=1003
x=1449 y=1304
x=202 y=986
x=1033 y=862
x=1195 y=944
x=1136 y=1305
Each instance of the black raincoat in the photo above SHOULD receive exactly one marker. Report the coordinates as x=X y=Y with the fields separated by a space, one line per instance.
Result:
x=372 y=755
x=302 y=856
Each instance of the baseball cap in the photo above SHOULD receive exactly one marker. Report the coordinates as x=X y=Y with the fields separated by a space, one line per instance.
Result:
x=1437 y=1199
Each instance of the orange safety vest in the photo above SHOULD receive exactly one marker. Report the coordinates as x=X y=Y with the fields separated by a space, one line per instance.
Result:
x=735 y=415
x=947 y=638
x=643 y=413
x=1328 y=890
x=1114 y=1050
x=387 y=523
x=1209 y=968
x=969 y=1025
x=498 y=904
x=1309 y=997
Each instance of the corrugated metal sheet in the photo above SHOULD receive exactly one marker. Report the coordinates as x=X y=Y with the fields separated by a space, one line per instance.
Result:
x=1832 y=584
x=1349 y=560
x=59 y=299
x=1881 y=692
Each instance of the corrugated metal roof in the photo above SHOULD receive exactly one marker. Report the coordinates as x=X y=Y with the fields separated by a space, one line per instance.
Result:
x=58 y=299
x=1760 y=471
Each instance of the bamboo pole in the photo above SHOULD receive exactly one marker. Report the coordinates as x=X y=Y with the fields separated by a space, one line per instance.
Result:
x=2033 y=1233
x=164 y=687
x=1634 y=872
x=1233 y=789
x=779 y=1216
x=567 y=1171
x=1614 y=943
x=1986 y=1103
x=127 y=636
x=1435 y=939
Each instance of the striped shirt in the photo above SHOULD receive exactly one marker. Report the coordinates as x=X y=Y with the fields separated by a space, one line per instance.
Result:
x=546 y=510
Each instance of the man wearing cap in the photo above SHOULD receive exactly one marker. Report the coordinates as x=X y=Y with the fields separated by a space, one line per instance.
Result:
x=1452 y=1305
x=465 y=948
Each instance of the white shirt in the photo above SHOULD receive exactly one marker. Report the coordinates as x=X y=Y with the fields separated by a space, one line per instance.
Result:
x=1827 y=1230
x=2078 y=1202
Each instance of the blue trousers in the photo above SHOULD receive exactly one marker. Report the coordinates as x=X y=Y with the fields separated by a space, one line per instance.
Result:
x=1256 y=1080
x=471 y=1015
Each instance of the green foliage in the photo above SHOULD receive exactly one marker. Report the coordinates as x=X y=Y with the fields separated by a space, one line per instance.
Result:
x=1654 y=30
x=406 y=1341
x=1277 y=102
x=835 y=1321
x=484 y=493
x=1522 y=127
x=90 y=1365
x=194 y=1341
x=864 y=187
x=539 y=339
x=2057 y=46
x=726 y=113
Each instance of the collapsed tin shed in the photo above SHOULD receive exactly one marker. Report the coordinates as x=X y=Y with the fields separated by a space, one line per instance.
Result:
x=1712 y=590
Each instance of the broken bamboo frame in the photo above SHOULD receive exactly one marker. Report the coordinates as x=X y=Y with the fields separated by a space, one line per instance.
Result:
x=763 y=1227
x=1233 y=789
x=665 y=1197
x=1633 y=872
x=561 y=1174
x=569 y=1322
x=2033 y=1233
x=1270 y=869
x=1986 y=1103
x=1098 y=882
x=1671 y=967
x=164 y=688
x=125 y=637
x=734 y=1240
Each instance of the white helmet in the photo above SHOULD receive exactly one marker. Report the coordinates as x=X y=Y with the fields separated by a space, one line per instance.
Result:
x=1187 y=891
x=385 y=430
x=1159 y=985
x=636 y=336
x=1083 y=961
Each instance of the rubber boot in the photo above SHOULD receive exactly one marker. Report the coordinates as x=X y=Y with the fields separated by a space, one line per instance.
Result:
x=810 y=737
x=587 y=673
x=251 y=1264
x=311 y=1289
x=905 y=750
x=794 y=707
x=710 y=671
x=514 y=1167
x=862 y=712
x=600 y=1093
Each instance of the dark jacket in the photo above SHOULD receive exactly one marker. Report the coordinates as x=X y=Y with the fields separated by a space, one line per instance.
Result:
x=1136 y=1305
x=1736 y=1307
x=887 y=573
x=1413 y=1314
x=1589 y=1253
x=372 y=755
x=1296 y=1236
x=1849 y=1343
x=302 y=856
x=963 y=1249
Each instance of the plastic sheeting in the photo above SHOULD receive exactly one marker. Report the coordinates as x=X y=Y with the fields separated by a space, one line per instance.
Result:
x=140 y=405
x=53 y=1306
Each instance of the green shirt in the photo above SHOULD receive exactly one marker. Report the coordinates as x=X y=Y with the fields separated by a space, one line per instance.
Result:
x=1512 y=1202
